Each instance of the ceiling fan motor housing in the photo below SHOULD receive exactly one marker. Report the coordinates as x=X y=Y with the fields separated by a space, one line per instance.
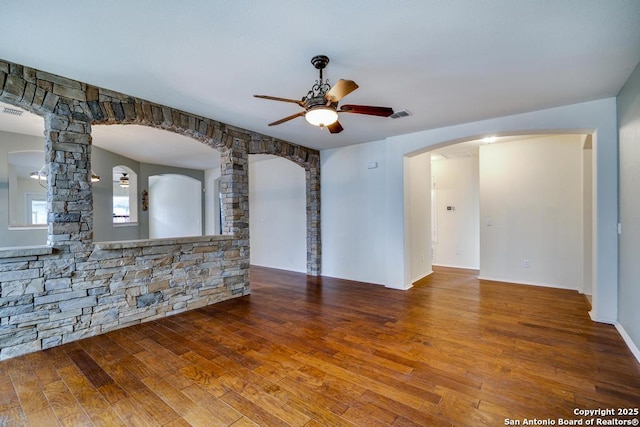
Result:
x=320 y=61
x=318 y=100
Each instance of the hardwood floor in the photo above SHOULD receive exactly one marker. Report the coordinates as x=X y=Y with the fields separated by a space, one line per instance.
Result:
x=307 y=351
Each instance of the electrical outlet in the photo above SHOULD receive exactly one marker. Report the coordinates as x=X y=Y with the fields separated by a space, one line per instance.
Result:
x=525 y=263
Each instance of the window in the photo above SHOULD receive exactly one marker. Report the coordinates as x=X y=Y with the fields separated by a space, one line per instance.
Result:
x=121 y=211
x=125 y=206
x=36 y=208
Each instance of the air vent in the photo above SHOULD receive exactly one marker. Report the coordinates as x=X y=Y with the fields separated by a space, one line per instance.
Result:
x=12 y=111
x=403 y=113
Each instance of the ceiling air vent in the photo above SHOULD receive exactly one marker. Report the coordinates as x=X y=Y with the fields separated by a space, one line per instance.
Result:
x=12 y=111
x=398 y=114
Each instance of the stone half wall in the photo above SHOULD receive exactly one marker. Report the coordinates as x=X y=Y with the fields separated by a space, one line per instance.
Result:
x=75 y=288
x=48 y=299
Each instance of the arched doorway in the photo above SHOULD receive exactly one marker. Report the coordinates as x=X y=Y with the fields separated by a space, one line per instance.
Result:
x=277 y=204
x=517 y=209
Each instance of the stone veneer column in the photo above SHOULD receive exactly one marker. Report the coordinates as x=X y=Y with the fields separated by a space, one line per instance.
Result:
x=234 y=186
x=314 y=240
x=69 y=195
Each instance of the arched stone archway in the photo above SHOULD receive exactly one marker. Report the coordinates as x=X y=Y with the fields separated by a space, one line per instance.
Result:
x=75 y=288
x=71 y=107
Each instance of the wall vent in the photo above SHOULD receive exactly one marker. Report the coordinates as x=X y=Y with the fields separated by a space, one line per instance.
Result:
x=12 y=111
x=398 y=114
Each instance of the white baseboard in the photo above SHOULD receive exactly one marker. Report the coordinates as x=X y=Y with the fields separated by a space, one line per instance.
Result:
x=456 y=266
x=429 y=273
x=627 y=339
x=406 y=287
x=520 y=282
x=410 y=285
x=595 y=318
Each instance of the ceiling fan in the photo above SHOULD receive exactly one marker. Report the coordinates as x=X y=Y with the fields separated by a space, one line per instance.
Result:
x=321 y=102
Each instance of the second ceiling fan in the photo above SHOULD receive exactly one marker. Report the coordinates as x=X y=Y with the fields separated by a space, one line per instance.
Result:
x=321 y=102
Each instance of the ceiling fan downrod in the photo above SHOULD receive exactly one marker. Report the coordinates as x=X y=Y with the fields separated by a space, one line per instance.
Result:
x=320 y=88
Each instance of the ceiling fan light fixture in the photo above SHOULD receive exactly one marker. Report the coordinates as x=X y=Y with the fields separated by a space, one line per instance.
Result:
x=124 y=181
x=321 y=116
x=40 y=175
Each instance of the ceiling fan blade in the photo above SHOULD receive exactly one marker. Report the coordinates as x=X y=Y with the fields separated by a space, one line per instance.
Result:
x=286 y=119
x=367 y=109
x=275 y=98
x=335 y=127
x=339 y=90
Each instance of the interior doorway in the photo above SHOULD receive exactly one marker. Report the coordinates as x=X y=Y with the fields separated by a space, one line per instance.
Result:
x=455 y=209
x=278 y=220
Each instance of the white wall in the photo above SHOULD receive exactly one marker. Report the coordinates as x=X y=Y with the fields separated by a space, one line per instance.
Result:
x=175 y=206
x=417 y=206
x=148 y=170
x=363 y=210
x=531 y=211
x=212 y=201
x=457 y=231
x=587 y=216
x=629 y=122
x=277 y=213
x=353 y=214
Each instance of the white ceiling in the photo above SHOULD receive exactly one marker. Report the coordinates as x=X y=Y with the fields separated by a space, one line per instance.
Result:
x=447 y=62
x=155 y=146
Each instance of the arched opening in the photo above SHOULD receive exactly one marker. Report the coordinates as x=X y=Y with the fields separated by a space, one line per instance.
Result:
x=23 y=178
x=517 y=209
x=277 y=200
x=142 y=152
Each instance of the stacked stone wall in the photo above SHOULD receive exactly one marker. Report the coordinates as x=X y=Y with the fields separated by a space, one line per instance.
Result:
x=49 y=298
x=74 y=288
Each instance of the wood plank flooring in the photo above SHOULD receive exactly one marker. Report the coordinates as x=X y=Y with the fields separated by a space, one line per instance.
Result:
x=306 y=351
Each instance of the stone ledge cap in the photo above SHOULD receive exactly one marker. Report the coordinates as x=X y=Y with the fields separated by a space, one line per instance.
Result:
x=145 y=243
x=21 y=251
